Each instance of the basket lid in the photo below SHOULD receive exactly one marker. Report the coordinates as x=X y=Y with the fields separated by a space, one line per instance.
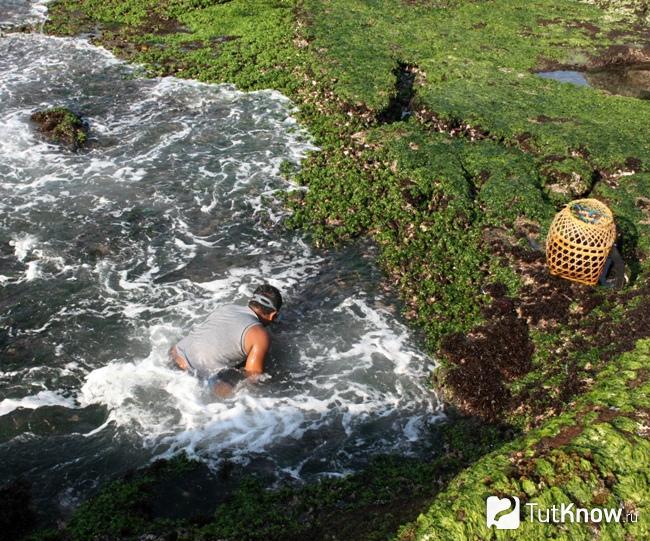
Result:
x=590 y=212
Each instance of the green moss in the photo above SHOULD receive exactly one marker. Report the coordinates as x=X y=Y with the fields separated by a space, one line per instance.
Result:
x=575 y=458
x=367 y=505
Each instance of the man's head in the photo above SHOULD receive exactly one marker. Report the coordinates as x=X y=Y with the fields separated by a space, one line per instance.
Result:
x=266 y=303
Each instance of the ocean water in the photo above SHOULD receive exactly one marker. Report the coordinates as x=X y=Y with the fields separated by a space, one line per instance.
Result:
x=110 y=254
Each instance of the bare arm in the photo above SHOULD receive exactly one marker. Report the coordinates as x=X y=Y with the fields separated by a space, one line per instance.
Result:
x=256 y=345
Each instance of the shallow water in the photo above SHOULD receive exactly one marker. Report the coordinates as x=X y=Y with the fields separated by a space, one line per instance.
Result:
x=564 y=76
x=108 y=255
x=20 y=12
x=632 y=81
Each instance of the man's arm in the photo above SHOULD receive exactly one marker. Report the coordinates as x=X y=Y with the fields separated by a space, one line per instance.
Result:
x=256 y=344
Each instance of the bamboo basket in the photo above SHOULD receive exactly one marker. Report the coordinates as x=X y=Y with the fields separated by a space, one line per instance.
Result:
x=579 y=240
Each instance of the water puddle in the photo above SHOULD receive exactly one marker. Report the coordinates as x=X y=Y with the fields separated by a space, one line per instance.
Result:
x=630 y=81
x=633 y=82
x=574 y=77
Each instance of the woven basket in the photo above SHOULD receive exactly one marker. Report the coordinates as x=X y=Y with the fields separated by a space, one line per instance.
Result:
x=579 y=241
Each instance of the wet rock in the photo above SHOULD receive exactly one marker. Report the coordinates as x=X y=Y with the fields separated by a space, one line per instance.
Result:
x=623 y=70
x=615 y=56
x=98 y=250
x=643 y=203
x=571 y=184
x=171 y=536
x=6 y=248
x=62 y=126
x=155 y=23
x=16 y=28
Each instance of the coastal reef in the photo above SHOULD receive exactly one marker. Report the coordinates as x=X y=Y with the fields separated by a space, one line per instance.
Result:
x=446 y=139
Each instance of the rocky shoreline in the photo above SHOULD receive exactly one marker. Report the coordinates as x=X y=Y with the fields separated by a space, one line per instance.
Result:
x=441 y=144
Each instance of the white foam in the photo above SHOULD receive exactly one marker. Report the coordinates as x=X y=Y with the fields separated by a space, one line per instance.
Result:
x=181 y=174
x=43 y=398
x=26 y=12
x=39 y=9
x=23 y=245
x=173 y=411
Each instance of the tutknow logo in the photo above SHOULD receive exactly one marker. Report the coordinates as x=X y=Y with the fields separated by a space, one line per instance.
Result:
x=495 y=508
x=504 y=513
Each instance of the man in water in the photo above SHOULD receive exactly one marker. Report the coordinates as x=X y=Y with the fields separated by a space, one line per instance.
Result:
x=231 y=338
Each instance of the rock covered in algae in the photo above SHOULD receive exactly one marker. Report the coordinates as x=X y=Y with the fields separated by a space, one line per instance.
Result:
x=61 y=125
x=595 y=456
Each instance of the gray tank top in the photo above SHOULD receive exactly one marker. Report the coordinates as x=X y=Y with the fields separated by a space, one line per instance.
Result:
x=218 y=342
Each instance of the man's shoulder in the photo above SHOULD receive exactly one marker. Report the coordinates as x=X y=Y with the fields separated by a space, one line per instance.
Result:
x=230 y=311
x=259 y=335
x=230 y=307
x=240 y=309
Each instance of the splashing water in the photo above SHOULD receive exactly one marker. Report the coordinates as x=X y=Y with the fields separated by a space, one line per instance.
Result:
x=110 y=254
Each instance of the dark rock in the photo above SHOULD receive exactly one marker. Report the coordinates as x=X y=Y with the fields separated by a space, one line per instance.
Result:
x=16 y=514
x=98 y=250
x=18 y=29
x=6 y=248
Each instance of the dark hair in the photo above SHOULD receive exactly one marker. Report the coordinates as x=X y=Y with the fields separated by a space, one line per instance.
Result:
x=271 y=293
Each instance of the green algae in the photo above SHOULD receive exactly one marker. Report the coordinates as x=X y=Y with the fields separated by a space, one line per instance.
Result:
x=427 y=207
x=596 y=455
x=247 y=43
x=477 y=58
x=368 y=505
x=338 y=61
